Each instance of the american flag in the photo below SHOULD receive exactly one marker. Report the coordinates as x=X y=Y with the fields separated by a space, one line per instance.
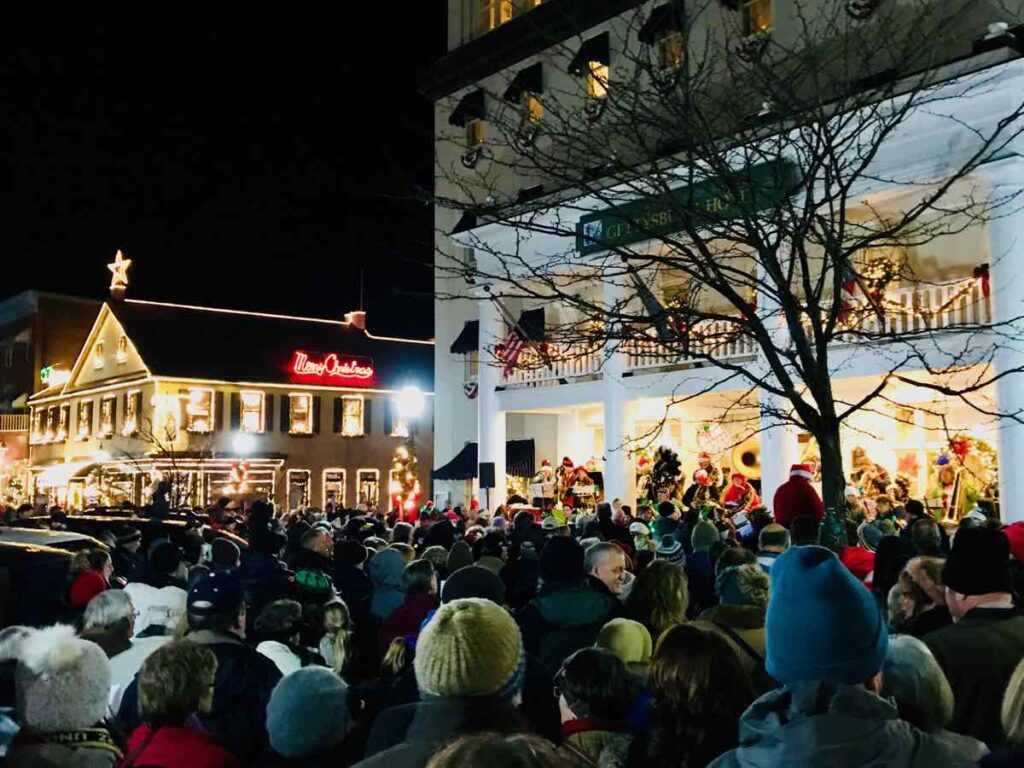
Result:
x=849 y=286
x=508 y=351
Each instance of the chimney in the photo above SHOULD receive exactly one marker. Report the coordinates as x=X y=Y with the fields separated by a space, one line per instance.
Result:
x=357 y=318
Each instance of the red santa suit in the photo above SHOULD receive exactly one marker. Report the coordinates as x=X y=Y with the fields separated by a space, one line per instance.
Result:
x=797 y=497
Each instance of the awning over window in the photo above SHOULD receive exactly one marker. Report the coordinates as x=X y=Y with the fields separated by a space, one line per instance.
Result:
x=465 y=223
x=472 y=107
x=468 y=340
x=528 y=80
x=520 y=461
x=593 y=49
x=664 y=18
x=531 y=325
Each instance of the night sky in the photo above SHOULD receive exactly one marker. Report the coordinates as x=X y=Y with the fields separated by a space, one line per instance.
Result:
x=240 y=162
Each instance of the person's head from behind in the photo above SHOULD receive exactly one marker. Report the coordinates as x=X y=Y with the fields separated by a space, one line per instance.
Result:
x=913 y=509
x=660 y=597
x=805 y=530
x=773 y=539
x=280 y=621
x=731 y=557
x=883 y=505
x=745 y=584
x=1012 y=714
x=925 y=535
x=112 y=612
x=594 y=683
x=921 y=587
x=402 y=533
x=216 y=602
x=843 y=636
x=913 y=678
x=397 y=657
x=606 y=563
x=419 y=578
x=604 y=511
x=496 y=750
x=977 y=571
x=695 y=673
x=176 y=681
x=561 y=562
x=407 y=552
x=93 y=560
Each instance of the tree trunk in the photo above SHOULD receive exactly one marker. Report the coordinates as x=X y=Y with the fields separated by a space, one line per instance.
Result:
x=833 y=481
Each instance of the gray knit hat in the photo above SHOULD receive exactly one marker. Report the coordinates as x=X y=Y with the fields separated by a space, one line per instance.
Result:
x=307 y=712
x=62 y=682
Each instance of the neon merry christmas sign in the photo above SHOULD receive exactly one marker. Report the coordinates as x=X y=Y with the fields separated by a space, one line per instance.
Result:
x=332 y=368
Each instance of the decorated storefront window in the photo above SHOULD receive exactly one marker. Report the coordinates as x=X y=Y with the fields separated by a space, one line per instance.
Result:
x=298 y=489
x=132 y=406
x=200 y=410
x=63 y=419
x=38 y=417
x=52 y=417
x=300 y=413
x=368 y=487
x=106 y=425
x=352 y=416
x=251 y=417
x=84 y=428
x=334 y=487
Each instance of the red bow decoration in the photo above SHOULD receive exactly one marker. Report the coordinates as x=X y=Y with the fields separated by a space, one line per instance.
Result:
x=981 y=273
x=960 y=447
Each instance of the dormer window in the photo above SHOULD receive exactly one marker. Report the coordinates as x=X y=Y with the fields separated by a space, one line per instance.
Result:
x=757 y=16
x=494 y=13
x=671 y=46
x=122 y=349
x=98 y=360
x=593 y=63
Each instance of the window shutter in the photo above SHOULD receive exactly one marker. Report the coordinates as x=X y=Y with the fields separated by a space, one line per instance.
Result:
x=268 y=413
x=113 y=415
x=389 y=417
x=236 y=411
x=367 y=416
x=316 y=414
x=218 y=410
x=284 y=412
x=336 y=419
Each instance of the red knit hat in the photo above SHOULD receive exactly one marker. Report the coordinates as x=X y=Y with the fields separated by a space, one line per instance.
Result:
x=86 y=586
x=801 y=470
x=1015 y=533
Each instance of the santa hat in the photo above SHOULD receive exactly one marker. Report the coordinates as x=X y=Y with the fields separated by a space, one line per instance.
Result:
x=546 y=463
x=738 y=476
x=801 y=470
x=567 y=462
x=703 y=456
x=701 y=476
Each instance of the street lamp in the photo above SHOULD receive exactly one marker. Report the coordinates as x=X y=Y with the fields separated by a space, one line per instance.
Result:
x=243 y=444
x=410 y=403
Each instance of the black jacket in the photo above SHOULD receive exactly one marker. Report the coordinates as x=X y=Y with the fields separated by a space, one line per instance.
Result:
x=130 y=566
x=241 y=690
x=978 y=655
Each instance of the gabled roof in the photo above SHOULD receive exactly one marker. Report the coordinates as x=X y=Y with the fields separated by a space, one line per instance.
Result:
x=205 y=343
x=230 y=345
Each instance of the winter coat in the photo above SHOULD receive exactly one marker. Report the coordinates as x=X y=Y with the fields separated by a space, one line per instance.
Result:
x=794 y=498
x=931 y=620
x=92 y=748
x=241 y=690
x=747 y=623
x=811 y=724
x=406 y=619
x=352 y=584
x=408 y=736
x=162 y=606
x=175 y=747
x=124 y=666
x=130 y=566
x=700 y=575
x=978 y=655
x=345 y=754
x=385 y=571
x=284 y=658
x=594 y=744
x=1002 y=759
x=562 y=619
x=264 y=579
x=860 y=562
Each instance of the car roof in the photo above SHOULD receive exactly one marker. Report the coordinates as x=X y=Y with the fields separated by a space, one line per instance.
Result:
x=47 y=538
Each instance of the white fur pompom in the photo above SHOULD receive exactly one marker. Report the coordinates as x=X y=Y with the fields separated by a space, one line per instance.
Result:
x=50 y=649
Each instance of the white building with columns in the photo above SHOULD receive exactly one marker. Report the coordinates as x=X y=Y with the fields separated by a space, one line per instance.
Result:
x=604 y=406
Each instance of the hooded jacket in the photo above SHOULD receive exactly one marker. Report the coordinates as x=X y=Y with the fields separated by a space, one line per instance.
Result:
x=385 y=571
x=562 y=619
x=810 y=724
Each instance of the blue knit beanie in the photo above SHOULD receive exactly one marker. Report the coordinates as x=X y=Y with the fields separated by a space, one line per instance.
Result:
x=822 y=624
x=307 y=712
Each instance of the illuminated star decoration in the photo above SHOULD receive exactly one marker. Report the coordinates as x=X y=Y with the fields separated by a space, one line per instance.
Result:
x=119 y=269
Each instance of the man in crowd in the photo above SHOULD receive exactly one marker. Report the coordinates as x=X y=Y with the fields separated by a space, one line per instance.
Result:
x=605 y=566
x=797 y=498
x=771 y=542
x=980 y=650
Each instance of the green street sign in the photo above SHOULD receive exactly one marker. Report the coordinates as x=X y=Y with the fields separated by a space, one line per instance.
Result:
x=754 y=189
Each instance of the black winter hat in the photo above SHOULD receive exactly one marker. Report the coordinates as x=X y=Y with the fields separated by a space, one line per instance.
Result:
x=561 y=560
x=979 y=562
x=474 y=581
x=666 y=509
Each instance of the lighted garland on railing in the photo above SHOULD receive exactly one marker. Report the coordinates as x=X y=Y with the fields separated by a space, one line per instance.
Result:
x=980 y=276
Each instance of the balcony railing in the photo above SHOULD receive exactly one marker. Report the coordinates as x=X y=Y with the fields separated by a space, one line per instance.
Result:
x=907 y=310
x=14 y=422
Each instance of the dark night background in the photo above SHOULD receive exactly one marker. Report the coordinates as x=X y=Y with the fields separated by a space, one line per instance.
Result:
x=240 y=162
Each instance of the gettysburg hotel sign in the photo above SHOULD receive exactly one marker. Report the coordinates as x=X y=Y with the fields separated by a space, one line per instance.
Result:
x=330 y=369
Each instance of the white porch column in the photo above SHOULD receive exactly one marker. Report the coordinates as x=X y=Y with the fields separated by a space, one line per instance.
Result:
x=619 y=468
x=490 y=420
x=1006 y=260
x=779 y=443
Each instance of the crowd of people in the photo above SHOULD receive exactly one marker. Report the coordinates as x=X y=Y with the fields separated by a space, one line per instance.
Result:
x=490 y=638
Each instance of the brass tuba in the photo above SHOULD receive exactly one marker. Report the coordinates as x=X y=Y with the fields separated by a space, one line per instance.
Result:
x=746 y=458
